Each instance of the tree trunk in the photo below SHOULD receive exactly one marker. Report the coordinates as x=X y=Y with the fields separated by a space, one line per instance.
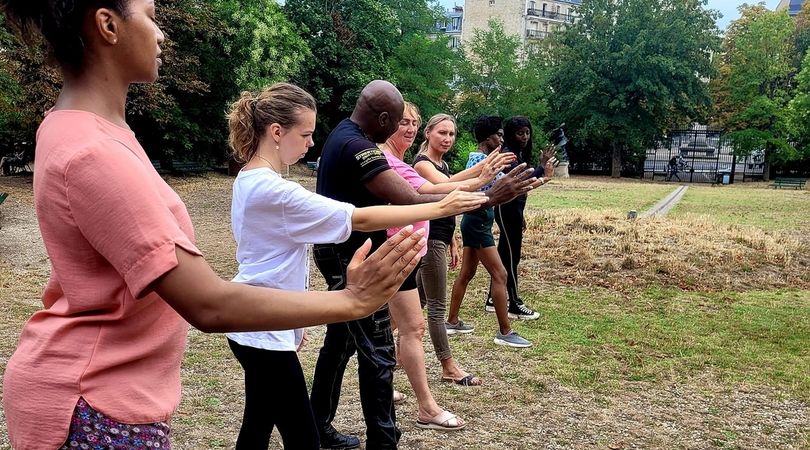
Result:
x=616 y=166
x=766 y=164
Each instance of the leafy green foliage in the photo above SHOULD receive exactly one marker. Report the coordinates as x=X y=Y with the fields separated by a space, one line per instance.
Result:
x=423 y=68
x=799 y=110
x=264 y=40
x=499 y=77
x=753 y=88
x=628 y=70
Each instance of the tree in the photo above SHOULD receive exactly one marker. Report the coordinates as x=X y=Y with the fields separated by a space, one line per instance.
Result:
x=752 y=91
x=265 y=43
x=801 y=39
x=628 y=70
x=214 y=50
x=799 y=111
x=28 y=87
x=499 y=77
x=423 y=69
x=350 y=41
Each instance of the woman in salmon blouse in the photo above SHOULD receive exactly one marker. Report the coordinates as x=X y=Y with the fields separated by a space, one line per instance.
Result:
x=100 y=363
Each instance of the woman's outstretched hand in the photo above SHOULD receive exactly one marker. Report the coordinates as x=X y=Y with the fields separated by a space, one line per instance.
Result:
x=460 y=201
x=494 y=163
x=373 y=279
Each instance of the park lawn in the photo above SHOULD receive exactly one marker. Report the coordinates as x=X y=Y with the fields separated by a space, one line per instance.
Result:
x=599 y=194
x=748 y=204
x=595 y=339
x=634 y=359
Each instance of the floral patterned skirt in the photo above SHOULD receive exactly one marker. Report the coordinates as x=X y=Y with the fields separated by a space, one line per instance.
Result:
x=90 y=429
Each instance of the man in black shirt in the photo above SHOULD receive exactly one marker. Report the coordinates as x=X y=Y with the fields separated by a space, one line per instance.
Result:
x=354 y=170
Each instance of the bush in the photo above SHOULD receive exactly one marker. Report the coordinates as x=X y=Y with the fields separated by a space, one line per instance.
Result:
x=457 y=156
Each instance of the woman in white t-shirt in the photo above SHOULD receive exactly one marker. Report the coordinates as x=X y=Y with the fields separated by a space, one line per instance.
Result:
x=273 y=221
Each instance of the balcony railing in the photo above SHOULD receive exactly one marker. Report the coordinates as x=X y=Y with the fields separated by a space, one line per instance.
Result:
x=536 y=34
x=551 y=15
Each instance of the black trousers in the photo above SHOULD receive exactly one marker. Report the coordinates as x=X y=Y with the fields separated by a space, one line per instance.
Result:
x=275 y=395
x=509 y=217
x=372 y=340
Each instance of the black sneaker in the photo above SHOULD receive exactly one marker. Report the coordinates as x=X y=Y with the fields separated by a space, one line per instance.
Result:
x=332 y=440
x=519 y=310
x=489 y=305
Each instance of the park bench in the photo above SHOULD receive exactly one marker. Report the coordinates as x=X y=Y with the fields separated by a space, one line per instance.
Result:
x=313 y=166
x=185 y=167
x=181 y=167
x=158 y=168
x=795 y=183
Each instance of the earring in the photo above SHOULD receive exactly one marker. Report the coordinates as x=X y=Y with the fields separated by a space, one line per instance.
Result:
x=115 y=41
x=276 y=147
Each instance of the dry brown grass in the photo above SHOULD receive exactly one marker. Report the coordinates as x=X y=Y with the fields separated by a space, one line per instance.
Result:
x=592 y=248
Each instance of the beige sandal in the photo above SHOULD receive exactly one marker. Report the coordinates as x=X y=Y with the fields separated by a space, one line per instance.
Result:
x=444 y=421
x=399 y=398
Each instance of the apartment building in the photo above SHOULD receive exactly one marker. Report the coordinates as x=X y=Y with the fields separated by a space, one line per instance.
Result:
x=792 y=6
x=451 y=26
x=530 y=19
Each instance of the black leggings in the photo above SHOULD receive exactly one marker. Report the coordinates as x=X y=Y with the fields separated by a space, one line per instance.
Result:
x=275 y=395
x=509 y=217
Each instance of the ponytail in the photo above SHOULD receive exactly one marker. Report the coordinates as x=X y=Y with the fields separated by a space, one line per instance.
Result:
x=242 y=136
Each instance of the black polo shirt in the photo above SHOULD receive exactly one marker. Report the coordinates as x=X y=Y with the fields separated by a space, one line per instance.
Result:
x=348 y=161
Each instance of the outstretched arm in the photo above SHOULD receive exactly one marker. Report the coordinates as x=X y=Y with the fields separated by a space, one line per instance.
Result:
x=212 y=304
x=381 y=217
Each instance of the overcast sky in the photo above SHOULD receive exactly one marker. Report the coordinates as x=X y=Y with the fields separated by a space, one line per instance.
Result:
x=727 y=7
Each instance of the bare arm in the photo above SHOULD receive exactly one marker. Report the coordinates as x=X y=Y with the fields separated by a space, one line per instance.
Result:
x=487 y=169
x=392 y=188
x=428 y=171
x=381 y=217
x=212 y=304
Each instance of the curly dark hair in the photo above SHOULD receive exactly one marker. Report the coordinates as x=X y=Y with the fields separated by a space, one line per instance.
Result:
x=59 y=22
x=486 y=126
x=510 y=128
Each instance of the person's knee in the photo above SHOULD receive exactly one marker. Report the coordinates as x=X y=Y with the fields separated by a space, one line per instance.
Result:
x=412 y=328
x=499 y=275
x=465 y=276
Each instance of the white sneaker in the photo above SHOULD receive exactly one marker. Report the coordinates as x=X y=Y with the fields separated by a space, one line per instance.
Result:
x=511 y=340
x=458 y=328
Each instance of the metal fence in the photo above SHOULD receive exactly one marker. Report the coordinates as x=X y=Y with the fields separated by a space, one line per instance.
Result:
x=702 y=155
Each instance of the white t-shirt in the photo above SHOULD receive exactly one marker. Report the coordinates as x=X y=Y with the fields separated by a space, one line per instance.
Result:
x=273 y=221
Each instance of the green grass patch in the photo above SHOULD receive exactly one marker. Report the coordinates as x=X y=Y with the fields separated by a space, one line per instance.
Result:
x=595 y=339
x=769 y=209
x=599 y=194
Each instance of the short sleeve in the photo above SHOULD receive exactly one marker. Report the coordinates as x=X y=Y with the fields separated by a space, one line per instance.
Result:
x=406 y=172
x=118 y=207
x=366 y=159
x=310 y=218
x=474 y=159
